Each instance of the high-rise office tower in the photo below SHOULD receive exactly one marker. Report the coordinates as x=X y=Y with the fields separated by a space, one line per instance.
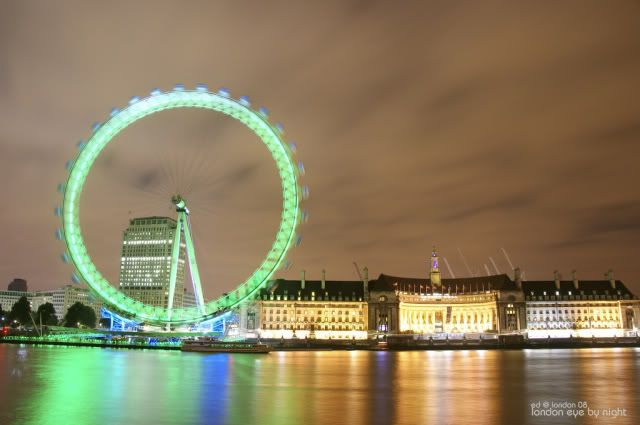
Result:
x=146 y=261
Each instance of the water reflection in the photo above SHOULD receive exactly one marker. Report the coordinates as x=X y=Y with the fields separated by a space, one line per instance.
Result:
x=58 y=385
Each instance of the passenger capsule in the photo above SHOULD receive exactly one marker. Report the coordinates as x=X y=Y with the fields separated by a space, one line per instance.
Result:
x=114 y=112
x=156 y=91
x=244 y=100
x=224 y=92
x=305 y=192
x=57 y=211
x=301 y=168
x=81 y=144
x=61 y=187
x=178 y=87
x=279 y=127
x=65 y=257
x=134 y=99
x=202 y=87
x=75 y=278
x=69 y=164
x=263 y=111
x=293 y=147
x=59 y=234
x=298 y=240
x=96 y=125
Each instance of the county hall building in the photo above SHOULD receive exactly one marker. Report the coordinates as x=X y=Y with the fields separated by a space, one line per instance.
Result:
x=433 y=305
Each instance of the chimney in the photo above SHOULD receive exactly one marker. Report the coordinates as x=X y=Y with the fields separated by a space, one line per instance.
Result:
x=324 y=278
x=366 y=283
x=576 y=284
x=612 y=281
x=518 y=277
x=556 y=278
x=302 y=279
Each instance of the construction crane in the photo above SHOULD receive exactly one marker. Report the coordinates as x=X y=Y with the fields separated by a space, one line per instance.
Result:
x=358 y=270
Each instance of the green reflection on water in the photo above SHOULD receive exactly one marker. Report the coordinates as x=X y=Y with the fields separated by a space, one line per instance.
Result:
x=96 y=386
x=60 y=385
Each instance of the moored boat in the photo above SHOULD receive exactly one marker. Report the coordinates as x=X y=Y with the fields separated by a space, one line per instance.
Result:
x=214 y=346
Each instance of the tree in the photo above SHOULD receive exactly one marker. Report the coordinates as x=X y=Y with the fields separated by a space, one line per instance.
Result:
x=21 y=311
x=80 y=314
x=47 y=314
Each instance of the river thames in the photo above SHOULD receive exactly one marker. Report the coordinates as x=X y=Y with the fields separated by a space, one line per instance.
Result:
x=71 y=385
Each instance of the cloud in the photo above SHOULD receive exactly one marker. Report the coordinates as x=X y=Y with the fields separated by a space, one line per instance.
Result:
x=417 y=124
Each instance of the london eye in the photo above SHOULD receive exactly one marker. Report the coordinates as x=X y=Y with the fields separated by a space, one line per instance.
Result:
x=293 y=194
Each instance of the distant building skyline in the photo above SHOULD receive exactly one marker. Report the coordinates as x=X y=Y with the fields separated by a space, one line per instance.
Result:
x=61 y=297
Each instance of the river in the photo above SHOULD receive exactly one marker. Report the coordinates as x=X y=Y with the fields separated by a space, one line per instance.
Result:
x=74 y=385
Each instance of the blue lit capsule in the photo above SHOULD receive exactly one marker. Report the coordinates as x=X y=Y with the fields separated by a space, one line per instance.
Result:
x=65 y=257
x=224 y=92
x=59 y=234
x=293 y=147
x=244 y=100
x=114 y=112
x=305 y=216
x=69 y=164
x=305 y=192
x=301 y=168
x=96 y=125
x=298 y=240
x=202 y=87
x=57 y=211
x=287 y=265
x=263 y=111
x=279 y=127
x=178 y=87
x=134 y=99
x=61 y=187
x=75 y=278
x=156 y=91
x=81 y=144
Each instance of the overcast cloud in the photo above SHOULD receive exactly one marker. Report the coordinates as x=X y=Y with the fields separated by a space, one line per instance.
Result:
x=476 y=125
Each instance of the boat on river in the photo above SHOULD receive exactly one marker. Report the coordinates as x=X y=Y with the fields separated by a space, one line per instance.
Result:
x=215 y=346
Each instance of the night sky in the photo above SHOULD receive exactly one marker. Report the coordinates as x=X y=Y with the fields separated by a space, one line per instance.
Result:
x=468 y=126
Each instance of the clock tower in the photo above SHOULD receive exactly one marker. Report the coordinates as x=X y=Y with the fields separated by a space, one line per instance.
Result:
x=434 y=273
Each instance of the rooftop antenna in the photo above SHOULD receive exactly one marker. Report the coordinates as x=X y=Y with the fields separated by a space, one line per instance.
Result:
x=465 y=263
x=449 y=268
x=494 y=265
x=504 y=251
x=487 y=270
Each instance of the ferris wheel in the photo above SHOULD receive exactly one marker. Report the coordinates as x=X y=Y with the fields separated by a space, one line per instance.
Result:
x=293 y=194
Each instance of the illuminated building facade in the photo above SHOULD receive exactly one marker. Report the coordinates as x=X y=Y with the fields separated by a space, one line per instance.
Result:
x=64 y=297
x=499 y=304
x=436 y=305
x=9 y=298
x=146 y=261
x=577 y=307
x=312 y=309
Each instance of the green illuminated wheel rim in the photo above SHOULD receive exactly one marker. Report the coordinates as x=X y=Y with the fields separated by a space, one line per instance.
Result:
x=138 y=108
